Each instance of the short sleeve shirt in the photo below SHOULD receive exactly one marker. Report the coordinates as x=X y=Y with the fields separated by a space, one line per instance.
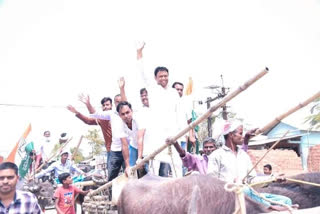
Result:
x=65 y=197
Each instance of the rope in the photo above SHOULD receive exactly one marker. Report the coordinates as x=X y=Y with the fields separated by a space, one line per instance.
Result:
x=243 y=180
x=288 y=179
x=240 y=206
x=170 y=153
x=272 y=202
x=303 y=182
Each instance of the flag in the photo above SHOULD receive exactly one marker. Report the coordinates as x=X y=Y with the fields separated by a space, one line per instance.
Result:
x=12 y=155
x=194 y=118
x=189 y=87
x=27 y=160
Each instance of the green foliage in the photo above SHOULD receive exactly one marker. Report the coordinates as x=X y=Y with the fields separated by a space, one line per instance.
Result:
x=55 y=150
x=79 y=156
x=314 y=118
x=95 y=141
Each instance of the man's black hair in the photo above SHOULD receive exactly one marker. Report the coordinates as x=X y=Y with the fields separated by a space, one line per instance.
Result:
x=268 y=166
x=143 y=90
x=105 y=99
x=158 y=69
x=46 y=132
x=63 y=176
x=9 y=165
x=121 y=104
x=209 y=140
x=177 y=83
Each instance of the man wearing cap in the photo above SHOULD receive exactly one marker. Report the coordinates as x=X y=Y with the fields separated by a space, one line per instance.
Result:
x=232 y=164
x=64 y=165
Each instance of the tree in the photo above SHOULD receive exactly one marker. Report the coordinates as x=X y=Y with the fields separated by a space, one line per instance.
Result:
x=314 y=118
x=95 y=141
x=79 y=156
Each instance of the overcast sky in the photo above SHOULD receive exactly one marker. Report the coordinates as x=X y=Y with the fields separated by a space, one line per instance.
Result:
x=50 y=51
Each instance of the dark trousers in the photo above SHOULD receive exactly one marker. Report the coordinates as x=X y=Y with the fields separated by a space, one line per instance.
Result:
x=164 y=170
x=115 y=163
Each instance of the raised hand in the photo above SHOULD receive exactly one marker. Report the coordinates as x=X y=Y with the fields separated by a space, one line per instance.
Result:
x=121 y=82
x=72 y=109
x=140 y=49
x=84 y=99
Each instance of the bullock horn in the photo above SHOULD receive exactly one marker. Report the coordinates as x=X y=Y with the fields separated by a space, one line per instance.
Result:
x=192 y=125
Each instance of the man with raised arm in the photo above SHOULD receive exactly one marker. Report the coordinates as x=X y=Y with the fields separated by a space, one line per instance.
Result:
x=163 y=102
x=106 y=103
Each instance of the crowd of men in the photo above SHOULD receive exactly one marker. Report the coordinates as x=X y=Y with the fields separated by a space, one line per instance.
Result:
x=130 y=134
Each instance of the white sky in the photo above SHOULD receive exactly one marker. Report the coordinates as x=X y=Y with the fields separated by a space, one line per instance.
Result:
x=50 y=51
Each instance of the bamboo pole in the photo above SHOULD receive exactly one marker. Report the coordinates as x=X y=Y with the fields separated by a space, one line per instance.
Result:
x=58 y=152
x=77 y=148
x=190 y=126
x=286 y=114
x=203 y=117
x=265 y=155
x=85 y=183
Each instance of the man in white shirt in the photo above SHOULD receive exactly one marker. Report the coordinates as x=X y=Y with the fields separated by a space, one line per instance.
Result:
x=163 y=107
x=232 y=164
x=130 y=129
x=116 y=157
x=43 y=148
x=183 y=116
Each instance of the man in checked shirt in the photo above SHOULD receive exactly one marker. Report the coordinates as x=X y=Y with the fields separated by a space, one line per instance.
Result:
x=13 y=201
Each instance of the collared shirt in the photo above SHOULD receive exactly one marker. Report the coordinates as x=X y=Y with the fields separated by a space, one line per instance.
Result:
x=228 y=166
x=116 y=127
x=24 y=202
x=163 y=119
x=131 y=134
x=59 y=168
x=196 y=163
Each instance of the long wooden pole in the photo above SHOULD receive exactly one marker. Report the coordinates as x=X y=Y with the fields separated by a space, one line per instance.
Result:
x=265 y=155
x=77 y=148
x=286 y=114
x=203 y=117
x=191 y=126
x=58 y=152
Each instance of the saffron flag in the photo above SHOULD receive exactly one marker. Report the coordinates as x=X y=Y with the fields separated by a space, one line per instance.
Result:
x=189 y=87
x=12 y=155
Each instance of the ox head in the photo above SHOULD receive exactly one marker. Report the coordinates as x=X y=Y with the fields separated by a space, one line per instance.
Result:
x=43 y=191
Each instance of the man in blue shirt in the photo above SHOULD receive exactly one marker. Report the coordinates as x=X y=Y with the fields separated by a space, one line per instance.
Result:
x=64 y=165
